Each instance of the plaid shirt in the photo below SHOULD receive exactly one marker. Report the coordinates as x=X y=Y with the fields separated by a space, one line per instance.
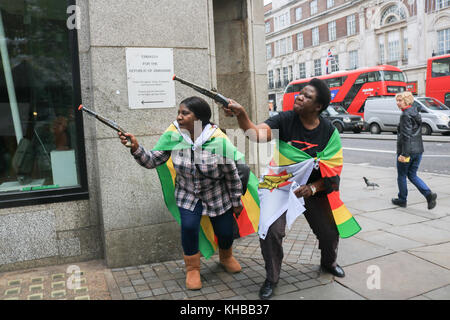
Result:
x=218 y=185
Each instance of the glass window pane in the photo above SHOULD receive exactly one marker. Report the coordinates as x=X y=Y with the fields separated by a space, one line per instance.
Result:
x=440 y=68
x=38 y=135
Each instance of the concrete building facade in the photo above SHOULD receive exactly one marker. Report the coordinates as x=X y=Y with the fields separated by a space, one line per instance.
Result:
x=359 y=33
x=118 y=213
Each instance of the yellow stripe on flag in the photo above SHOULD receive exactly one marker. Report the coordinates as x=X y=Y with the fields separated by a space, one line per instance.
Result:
x=251 y=207
x=172 y=171
x=208 y=230
x=336 y=161
x=282 y=160
x=218 y=134
x=171 y=128
x=341 y=214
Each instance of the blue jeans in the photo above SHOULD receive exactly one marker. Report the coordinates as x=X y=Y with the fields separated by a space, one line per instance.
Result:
x=409 y=169
x=190 y=228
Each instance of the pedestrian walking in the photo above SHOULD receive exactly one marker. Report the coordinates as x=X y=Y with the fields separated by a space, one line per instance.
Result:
x=205 y=184
x=409 y=151
x=305 y=141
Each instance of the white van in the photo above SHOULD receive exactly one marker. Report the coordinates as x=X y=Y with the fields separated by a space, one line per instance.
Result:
x=382 y=114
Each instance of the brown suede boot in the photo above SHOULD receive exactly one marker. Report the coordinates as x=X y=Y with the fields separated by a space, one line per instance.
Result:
x=193 y=281
x=228 y=261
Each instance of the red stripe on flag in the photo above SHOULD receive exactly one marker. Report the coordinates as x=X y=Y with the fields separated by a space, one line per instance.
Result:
x=335 y=200
x=244 y=224
x=330 y=172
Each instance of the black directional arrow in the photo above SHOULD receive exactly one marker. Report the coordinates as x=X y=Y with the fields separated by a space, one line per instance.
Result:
x=144 y=102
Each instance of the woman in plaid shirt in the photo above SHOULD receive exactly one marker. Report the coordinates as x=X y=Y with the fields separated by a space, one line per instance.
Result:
x=205 y=184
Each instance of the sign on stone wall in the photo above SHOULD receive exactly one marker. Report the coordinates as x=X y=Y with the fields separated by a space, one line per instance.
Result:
x=149 y=74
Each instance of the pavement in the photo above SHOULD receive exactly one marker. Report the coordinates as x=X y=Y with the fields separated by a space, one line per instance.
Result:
x=400 y=254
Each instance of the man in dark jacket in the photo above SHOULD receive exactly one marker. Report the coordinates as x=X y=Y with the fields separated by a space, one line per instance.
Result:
x=409 y=151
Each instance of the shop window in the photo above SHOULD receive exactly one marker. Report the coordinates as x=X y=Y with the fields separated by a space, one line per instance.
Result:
x=41 y=144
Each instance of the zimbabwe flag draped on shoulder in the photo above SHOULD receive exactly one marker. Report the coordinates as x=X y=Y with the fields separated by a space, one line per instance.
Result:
x=330 y=161
x=218 y=143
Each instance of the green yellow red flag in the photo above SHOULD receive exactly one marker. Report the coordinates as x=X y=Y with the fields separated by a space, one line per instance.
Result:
x=330 y=161
x=245 y=224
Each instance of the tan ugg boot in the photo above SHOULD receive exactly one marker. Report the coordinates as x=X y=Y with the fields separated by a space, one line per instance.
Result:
x=228 y=261
x=193 y=281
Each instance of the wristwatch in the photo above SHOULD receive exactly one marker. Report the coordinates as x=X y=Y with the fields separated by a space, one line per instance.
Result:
x=313 y=189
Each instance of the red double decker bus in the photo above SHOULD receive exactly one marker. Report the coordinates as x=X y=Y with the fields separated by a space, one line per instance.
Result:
x=350 y=89
x=438 y=79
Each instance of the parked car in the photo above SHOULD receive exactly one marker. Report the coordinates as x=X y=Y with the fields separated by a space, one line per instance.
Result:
x=342 y=120
x=382 y=114
x=435 y=115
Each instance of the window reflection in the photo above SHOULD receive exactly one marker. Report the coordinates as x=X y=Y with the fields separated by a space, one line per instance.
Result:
x=38 y=145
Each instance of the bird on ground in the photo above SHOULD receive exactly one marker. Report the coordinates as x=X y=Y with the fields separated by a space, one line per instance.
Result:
x=370 y=184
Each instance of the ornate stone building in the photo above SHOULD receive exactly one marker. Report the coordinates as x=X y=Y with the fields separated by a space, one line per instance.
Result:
x=358 y=33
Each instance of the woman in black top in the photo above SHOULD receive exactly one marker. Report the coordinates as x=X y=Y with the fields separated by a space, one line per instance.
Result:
x=306 y=130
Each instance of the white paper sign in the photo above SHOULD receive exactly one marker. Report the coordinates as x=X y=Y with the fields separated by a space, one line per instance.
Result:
x=149 y=74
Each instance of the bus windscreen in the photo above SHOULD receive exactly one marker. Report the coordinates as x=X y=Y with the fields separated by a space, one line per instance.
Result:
x=393 y=76
x=440 y=68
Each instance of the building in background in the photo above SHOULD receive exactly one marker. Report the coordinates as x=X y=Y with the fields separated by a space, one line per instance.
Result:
x=69 y=190
x=300 y=33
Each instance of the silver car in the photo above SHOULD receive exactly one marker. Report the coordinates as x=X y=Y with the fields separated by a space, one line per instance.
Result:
x=382 y=114
x=435 y=115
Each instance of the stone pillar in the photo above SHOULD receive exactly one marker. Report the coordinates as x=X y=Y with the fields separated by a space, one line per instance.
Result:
x=240 y=56
x=136 y=225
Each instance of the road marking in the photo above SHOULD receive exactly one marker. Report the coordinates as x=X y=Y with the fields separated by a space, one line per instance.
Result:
x=369 y=150
x=390 y=151
x=436 y=155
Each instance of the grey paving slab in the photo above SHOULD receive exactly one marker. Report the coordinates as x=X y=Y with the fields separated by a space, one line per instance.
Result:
x=421 y=297
x=389 y=241
x=441 y=210
x=438 y=254
x=371 y=204
x=439 y=294
x=401 y=276
x=394 y=217
x=356 y=194
x=354 y=211
x=359 y=170
x=369 y=224
x=330 y=291
x=353 y=250
x=442 y=223
x=438 y=185
x=421 y=233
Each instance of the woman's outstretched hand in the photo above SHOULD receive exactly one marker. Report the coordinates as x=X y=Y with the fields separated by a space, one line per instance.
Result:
x=134 y=142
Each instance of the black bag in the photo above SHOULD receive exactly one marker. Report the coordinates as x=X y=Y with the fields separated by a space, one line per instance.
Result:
x=244 y=175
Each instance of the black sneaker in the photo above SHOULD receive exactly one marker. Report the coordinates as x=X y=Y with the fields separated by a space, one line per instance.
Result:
x=399 y=203
x=431 y=199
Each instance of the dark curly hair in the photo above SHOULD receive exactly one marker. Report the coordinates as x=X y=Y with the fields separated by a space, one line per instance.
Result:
x=323 y=92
